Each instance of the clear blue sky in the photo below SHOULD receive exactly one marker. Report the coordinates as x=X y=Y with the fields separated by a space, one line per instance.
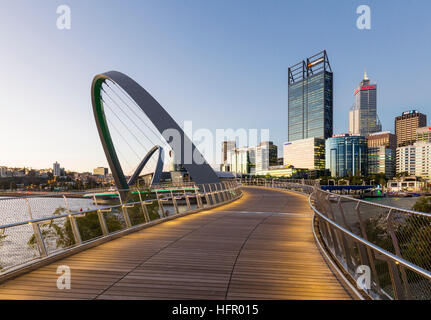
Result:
x=221 y=64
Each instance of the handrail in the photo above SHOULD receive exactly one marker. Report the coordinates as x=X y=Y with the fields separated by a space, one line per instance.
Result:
x=13 y=234
x=378 y=204
x=405 y=232
x=402 y=261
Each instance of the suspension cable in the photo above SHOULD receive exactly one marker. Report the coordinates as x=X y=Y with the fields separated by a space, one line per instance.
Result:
x=134 y=102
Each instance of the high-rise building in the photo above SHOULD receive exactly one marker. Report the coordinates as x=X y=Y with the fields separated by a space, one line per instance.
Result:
x=406 y=160
x=382 y=153
x=423 y=134
x=225 y=148
x=239 y=160
x=266 y=156
x=56 y=170
x=423 y=159
x=253 y=160
x=415 y=160
x=406 y=126
x=363 y=119
x=100 y=171
x=346 y=155
x=306 y=154
x=310 y=110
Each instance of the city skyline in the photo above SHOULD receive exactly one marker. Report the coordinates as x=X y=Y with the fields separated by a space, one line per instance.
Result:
x=186 y=68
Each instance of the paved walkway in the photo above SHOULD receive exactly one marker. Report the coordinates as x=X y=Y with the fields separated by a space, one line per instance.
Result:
x=259 y=247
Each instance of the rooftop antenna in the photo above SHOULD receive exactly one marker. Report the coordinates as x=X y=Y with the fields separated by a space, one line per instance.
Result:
x=365 y=75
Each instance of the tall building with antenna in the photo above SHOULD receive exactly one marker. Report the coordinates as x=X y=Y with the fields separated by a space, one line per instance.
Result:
x=363 y=118
x=310 y=110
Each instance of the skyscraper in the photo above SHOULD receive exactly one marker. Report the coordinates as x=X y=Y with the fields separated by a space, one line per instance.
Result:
x=406 y=126
x=226 y=147
x=363 y=119
x=266 y=155
x=56 y=170
x=310 y=110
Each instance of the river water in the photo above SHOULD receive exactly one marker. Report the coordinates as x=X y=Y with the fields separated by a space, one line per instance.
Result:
x=14 y=241
x=403 y=203
x=14 y=247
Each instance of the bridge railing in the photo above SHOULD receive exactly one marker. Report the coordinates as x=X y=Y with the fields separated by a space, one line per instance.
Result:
x=385 y=250
x=38 y=227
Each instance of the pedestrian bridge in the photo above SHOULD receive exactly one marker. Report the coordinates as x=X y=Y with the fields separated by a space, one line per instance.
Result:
x=260 y=246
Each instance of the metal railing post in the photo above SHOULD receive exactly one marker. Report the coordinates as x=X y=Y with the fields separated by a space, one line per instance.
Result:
x=174 y=201
x=186 y=196
x=370 y=260
x=223 y=192
x=198 y=198
x=102 y=220
x=125 y=213
x=207 y=198
x=345 y=242
x=334 y=234
x=43 y=252
x=144 y=207
x=398 y=253
x=212 y=195
x=73 y=224
x=162 y=209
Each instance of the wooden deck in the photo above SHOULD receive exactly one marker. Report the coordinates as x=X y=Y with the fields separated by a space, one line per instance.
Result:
x=259 y=247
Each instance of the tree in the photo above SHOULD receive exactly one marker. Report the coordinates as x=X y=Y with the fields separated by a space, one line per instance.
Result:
x=423 y=205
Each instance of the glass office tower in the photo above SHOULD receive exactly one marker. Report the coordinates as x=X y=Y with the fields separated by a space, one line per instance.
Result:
x=310 y=110
x=363 y=119
x=346 y=155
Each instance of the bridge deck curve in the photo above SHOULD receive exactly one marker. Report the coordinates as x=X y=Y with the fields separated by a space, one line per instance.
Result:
x=259 y=247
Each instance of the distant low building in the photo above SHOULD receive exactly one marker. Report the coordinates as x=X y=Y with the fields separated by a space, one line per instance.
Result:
x=282 y=171
x=410 y=184
x=3 y=172
x=100 y=171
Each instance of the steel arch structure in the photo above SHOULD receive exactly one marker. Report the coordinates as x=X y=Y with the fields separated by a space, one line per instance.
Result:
x=159 y=167
x=201 y=173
